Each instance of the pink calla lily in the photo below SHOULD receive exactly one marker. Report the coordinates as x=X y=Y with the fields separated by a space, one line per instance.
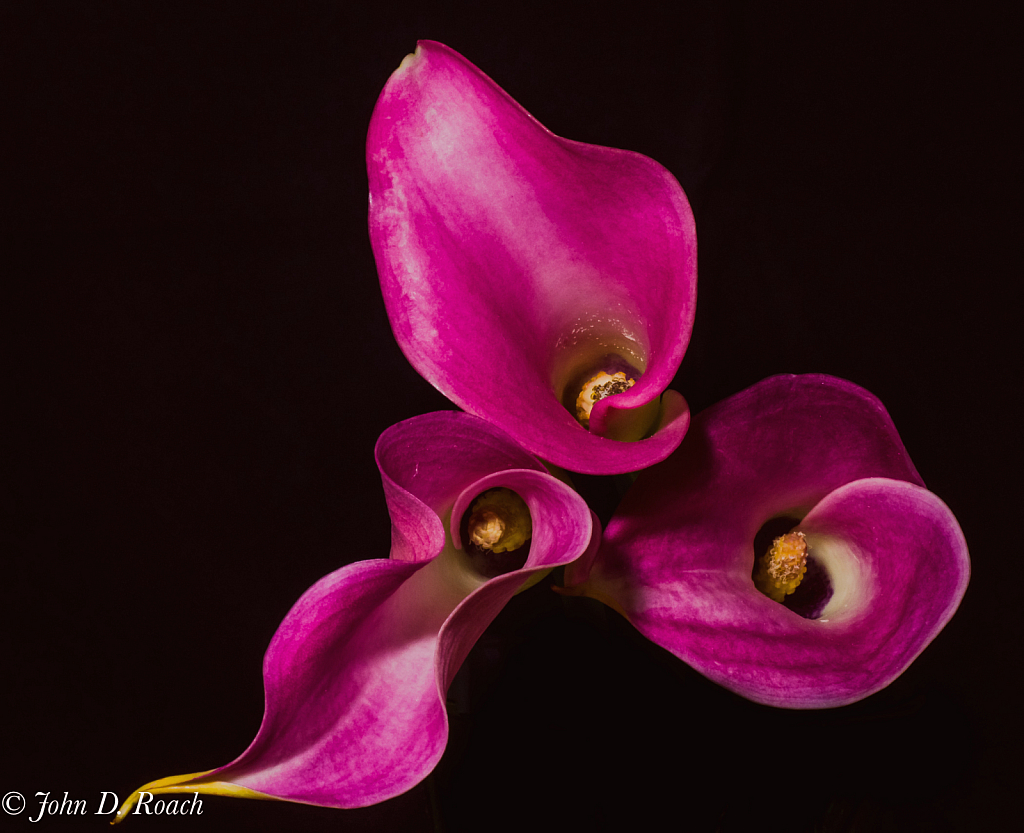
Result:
x=356 y=674
x=890 y=560
x=515 y=264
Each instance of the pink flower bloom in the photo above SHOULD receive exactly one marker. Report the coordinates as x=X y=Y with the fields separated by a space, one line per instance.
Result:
x=356 y=674
x=886 y=563
x=518 y=266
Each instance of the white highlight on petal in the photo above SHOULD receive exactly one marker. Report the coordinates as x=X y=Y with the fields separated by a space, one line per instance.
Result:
x=852 y=582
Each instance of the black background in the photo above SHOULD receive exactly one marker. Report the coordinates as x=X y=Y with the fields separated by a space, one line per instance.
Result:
x=200 y=362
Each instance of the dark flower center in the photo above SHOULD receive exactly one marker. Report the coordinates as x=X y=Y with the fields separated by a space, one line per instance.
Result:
x=496 y=532
x=787 y=571
x=607 y=377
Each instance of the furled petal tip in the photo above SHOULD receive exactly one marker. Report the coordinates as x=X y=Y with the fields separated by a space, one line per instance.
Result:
x=517 y=265
x=886 y=563
x=356 y=674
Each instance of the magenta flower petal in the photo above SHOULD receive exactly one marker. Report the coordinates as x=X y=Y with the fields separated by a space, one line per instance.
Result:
x=512 y=261
x=677 y=558
x=423 y=479
x=356 y=674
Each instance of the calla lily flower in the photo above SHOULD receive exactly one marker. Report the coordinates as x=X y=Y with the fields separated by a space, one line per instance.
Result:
x=356 y=674
x=886 y=563
x=545 y=285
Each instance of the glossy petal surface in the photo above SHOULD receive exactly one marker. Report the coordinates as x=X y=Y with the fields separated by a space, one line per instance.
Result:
x=677 y=557
x=356 y=674
x=511 y=259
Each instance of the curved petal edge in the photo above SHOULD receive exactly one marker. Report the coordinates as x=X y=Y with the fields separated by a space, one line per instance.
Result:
x=677 y=558
x=356 y=674
x=512 y=260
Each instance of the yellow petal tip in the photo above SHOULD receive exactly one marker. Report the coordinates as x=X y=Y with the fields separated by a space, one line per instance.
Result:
x=190 y=783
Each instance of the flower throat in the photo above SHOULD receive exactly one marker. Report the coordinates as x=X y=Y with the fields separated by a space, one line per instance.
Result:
x=788 y=572
x=608 y=377
x=496 y=532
